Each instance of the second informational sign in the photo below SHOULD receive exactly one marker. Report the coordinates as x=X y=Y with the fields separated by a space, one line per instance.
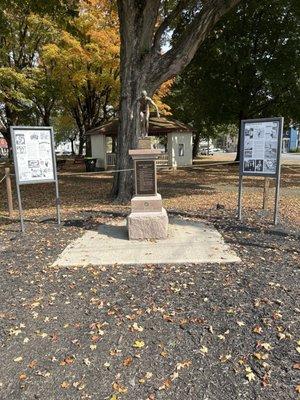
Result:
x=261 y=146
x=261 y=141
x=34 y=160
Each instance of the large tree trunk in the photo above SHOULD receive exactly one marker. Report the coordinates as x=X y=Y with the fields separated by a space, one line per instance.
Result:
x=144 y=67
x=133 y=74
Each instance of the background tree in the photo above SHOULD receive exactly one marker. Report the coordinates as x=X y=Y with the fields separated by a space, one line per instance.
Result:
x=25 y=26
x=65 y=130
x=85 y=64
x=144 y=28
x=248 y=68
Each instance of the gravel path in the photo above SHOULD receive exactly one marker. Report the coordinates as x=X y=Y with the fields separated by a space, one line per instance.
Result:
x=149 y=332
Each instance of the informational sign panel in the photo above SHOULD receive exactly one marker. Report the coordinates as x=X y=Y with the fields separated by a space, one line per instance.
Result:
x=261 y=146
x=33 y=154
x=34 y=160
x=261 y=142
x=145 y=177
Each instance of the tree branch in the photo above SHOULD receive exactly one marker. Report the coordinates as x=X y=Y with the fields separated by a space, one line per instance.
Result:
x=167 y=22
x=179 y=56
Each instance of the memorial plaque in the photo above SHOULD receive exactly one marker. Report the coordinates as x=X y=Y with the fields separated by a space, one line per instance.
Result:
x=145 y=177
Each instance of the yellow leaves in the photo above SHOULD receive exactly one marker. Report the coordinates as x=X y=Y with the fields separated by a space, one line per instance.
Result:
x=65 y=385
x=257 y=329
x=166 y=384
x=281 y=335
x=277 y=315
x=240 y=323
x=164 y=353
x=79 y=385
x=93 y=346
x=297 y=388
x=67 y=361
x=22 y=377
x=139 y=344
x=32 y=364
x=87 y=362
x=225 y=357
x=18 y=359
x=183 y=364
x=127 y=361
x=147 y=377
x=266 y=346
x=174 y=376
x=261 y=356
x=41 y=334
x=136 y=328
x=204 y=350
x=249 y=374
x=119 y=388
x=115 y=352
x=15 y=331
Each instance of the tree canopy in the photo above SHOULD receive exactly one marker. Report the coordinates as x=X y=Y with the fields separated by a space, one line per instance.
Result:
x=248 y=68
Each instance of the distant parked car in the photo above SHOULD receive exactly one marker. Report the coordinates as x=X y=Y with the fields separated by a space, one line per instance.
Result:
x=206 y=152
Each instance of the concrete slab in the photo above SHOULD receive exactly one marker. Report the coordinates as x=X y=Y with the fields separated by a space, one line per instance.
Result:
x=188 y=242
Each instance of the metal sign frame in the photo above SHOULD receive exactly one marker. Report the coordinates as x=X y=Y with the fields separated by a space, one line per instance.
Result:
x=19 y=183
x=276 y=175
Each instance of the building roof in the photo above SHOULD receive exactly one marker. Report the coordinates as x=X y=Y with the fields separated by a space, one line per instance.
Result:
x=157 y=127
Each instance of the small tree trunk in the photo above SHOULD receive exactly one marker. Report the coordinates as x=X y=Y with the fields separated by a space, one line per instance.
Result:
x=196 y=143
x=72 y=146
x=238 y=147
x=81 y=143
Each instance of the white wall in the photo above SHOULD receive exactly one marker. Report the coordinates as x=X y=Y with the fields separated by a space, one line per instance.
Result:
x=180 y=149
x=98 y=144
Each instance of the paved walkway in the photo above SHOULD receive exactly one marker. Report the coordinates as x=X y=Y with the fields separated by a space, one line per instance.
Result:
x=188 y=242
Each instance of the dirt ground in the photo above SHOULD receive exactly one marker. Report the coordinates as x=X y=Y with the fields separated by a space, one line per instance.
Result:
x=149 y=332
x=207 y=186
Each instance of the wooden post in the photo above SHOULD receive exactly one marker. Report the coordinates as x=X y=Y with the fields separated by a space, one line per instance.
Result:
x=9 y=192
x=266 y=194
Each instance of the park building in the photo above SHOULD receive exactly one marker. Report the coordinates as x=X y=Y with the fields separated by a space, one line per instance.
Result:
x=174 y=137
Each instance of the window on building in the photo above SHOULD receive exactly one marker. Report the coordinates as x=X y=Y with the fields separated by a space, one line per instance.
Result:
x=181 y=150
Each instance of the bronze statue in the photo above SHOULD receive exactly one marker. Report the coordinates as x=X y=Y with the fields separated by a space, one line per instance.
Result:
x=144 y=111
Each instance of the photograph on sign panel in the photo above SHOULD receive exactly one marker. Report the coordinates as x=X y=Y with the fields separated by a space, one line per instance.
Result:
x=248 y=147
x=20 y=139
x=21 y=149
x=258 y=133
x=249 y=165
x=248 y=132
x=259 y=165
x=272 y=131
x=271 y=150
x=270 y=166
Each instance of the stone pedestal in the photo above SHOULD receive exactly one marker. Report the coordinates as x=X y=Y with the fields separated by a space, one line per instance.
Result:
x=148 y=219
x=148 y=225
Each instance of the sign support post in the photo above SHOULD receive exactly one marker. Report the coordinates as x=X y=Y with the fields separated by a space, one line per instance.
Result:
x=240 y=197
x=57 y=198
x=9 y=192
x=20 y=208
x=261 y=144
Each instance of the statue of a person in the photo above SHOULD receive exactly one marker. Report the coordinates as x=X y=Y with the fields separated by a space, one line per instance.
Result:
x=144 y=111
